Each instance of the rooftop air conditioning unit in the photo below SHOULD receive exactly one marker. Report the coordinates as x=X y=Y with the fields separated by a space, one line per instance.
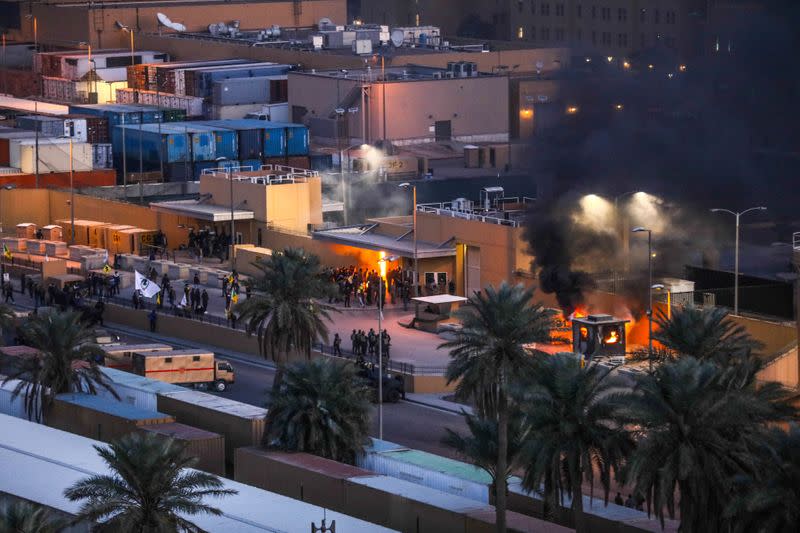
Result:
x=461 y=204
x=449 y=75
x=437 y=75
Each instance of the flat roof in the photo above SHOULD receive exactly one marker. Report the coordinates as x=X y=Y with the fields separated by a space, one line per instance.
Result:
x=32 y=106
x=217 y=403
x=194 y=209
x=129 y=380
x=419 y=493
x=362 y=236
x=440 y=299
x=40 y=462
x=112 y=407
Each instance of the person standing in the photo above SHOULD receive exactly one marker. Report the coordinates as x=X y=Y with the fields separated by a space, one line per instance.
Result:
x=337 y=345
x=354 y=342
x=204 y=299
x=152 y=317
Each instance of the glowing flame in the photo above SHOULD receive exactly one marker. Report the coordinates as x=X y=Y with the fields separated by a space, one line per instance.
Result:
x=382 y=264
x=579 y=312
x=612 y=337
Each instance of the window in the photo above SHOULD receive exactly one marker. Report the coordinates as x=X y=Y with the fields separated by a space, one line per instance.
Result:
x=606 y=13
x=559 y=34
x=607 y=38
x=594 y=12
x=670 y=41
x=559 y=10
x=196 y=358
x=670 y=17
x=533 y=33
x=168 y=359
x=533 y=8
x=642 y=15
x=520 y=33
x=578 y=35
x=656 y=16
x=519 y=6
x=644 y=41
x=578 y=11
x=622 y=40
x=622 y=14
x=545 y=10
x=123 y=61
x=594 y=37
x=545 y=34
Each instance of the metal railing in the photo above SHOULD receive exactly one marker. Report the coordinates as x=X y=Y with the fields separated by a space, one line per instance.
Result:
x=796 y=240
x=445 y=209
x=393 y=366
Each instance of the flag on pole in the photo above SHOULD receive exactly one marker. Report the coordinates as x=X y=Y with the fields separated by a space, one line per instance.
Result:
x=106 y=268
x=148 y=288
x=184 y=303
x=6 y=252
x=234 y=295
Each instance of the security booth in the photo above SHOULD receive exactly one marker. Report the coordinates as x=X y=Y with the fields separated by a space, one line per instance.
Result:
x=431 y=312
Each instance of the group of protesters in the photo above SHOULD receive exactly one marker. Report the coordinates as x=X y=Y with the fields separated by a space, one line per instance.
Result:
x=366 y=344
x=365 y=288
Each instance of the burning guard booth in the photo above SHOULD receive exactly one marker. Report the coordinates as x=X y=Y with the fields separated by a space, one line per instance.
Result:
x=599 y=335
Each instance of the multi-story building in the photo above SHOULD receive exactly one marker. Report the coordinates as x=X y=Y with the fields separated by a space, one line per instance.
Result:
x=604 y=27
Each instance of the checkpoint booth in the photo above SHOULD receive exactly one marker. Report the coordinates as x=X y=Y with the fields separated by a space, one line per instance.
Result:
x=433 y=312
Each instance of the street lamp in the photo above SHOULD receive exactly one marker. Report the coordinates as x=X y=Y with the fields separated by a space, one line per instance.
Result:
x=413 y=188
x=229 y=175
x=383 y=261
x=640 y=229
x=736 y=253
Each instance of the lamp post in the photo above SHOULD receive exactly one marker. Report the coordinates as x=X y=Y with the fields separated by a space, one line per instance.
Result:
x=413 y=188
x=623 y=232
x=229 y=175
x=640 y=229
x=71 y=195
x=382 y=260
x=738 y=215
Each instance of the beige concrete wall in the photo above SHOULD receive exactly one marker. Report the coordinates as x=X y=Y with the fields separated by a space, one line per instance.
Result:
x=785 y=370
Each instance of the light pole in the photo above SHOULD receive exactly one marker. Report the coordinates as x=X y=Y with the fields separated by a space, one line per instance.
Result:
x=736 y=252
x=623 y=231
x=413 y=188
x=640 y=229
x=71 y=195
x=229 y=175
x=382 y=260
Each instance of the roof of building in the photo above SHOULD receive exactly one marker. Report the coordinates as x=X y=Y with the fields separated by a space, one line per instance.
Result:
x=32 y=106
x=217 y=403
x=104 y=405
x=195 y=209
x=419 y=493
x=364 y=236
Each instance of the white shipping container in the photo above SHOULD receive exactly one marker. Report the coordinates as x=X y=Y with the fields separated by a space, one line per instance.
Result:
x=53 y=155
x=272 y=113
x=276 y=112
x=76 y=128
x=136 y=390
x=8 y=404
x=102 y=156
x=9 y=170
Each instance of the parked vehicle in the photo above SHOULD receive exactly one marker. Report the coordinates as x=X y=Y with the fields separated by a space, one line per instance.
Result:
x=393 y=385
x=191 y=368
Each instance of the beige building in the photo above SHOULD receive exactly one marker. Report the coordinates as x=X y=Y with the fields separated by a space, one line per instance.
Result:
x=404 y=105
x=273 y=198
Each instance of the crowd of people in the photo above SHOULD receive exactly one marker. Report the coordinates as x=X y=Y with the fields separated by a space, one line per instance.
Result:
x=364 y=287
x=207 y=243
x=366 y=344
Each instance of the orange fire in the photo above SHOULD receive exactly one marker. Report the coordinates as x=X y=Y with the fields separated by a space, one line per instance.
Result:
x=612 y=337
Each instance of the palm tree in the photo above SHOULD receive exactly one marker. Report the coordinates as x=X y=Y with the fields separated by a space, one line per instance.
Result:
x=571 y=413
x=150 y=488
x=322 y=407
x=489 y=352
x=67 y=361
x=704 y=333
x=26 y=517
x=286 y=311
x=480 y=446
x=696 y=433
x=770 y=501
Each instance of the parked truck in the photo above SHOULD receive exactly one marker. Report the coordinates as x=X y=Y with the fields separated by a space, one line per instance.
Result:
x=121 y=355
x=190 y=368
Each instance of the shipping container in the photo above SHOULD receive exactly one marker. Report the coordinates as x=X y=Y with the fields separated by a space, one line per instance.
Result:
x=12 y=358
x=11 y=405
x=54 y=155
x=5 y=139
x=272 y=113
x=296 y=139
x=226 y=142
x=48 y=126
x=178 y=172
x=251 y=164
x=136 y=240
x=232 y=112
x=170 y=145
x=138 y=391
x=207 y=447
x=430 y=470
x=99 y=418
x=41 y=462
x=90 y=178
x=200 y=81
x=87 y=232
x=237 y=91
x=301 y=476
x=241 y=423
x=102 y=156
x=250 y=136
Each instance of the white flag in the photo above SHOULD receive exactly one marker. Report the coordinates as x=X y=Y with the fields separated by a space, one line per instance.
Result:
x=184 y=303
x=148 y=288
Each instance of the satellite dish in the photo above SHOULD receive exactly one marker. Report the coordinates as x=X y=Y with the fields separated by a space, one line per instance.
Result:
x=324 y=21
x=398 y=37
x=164 y=20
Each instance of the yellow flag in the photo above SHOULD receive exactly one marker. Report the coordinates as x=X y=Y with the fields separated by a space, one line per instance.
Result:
x=106 y=268
x=7 y=252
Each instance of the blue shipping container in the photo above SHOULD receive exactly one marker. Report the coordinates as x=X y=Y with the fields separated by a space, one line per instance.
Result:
x=250 y=137
x=200 y=166
x=172 y=145
x=202 y=140
x=226 y=142
x=296 y=139
x=251 y=164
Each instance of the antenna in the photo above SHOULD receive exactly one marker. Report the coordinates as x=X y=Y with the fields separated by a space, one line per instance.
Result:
x=164 y=20
x=398 y=37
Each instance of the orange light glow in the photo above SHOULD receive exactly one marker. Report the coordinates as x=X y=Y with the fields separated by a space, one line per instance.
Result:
x=526 y=113
x=584 y=331
x=382 y=264
x=612 y=337
x=571 y=110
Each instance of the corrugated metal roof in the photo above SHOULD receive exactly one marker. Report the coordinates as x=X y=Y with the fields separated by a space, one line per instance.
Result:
x=437 y=463
x=181 y=431
x=142 y=383
x=216 y=403
x=123 y=410
x=378 y=445
x=419 y=493
x=312 y=462
x=40 y=462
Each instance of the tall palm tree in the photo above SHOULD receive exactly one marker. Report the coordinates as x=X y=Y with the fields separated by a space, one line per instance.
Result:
x=489 y=352
x=571 y=413
x=67 y=361
x=479 y=447
x=322 y=407
x=26 y=517
x=286 y=310
x=770 y=501
x=696 y=433
x=151 y=487
x=704 y=333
